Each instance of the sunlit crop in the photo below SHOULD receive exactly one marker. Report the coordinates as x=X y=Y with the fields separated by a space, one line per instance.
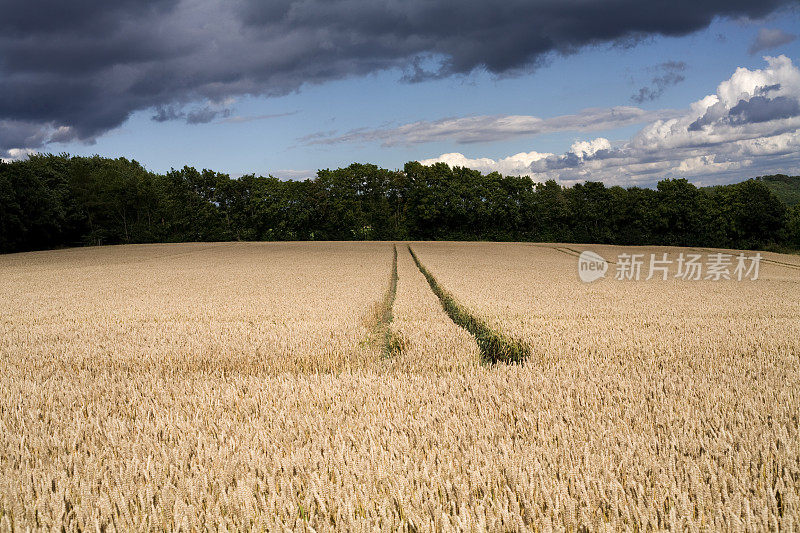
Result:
x=262 y=386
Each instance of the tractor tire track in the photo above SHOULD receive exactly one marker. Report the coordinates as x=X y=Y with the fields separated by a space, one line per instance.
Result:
x=494 y=346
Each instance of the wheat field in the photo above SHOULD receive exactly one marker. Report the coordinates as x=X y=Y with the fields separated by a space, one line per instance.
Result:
x=261 y=386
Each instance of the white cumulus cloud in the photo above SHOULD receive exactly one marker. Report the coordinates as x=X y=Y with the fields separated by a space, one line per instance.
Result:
x=513 y=165
x=751 y=125
x=589 y=148
x=17 y=154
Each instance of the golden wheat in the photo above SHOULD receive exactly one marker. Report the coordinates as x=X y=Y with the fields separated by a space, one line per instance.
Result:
x=426 y=338
x=242 y=307
x=237 y=386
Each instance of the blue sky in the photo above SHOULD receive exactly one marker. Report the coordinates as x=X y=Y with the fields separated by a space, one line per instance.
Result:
x=327 y=123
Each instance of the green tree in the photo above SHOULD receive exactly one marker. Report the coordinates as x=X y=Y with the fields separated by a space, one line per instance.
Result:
x=793 y=227
x=747 y=215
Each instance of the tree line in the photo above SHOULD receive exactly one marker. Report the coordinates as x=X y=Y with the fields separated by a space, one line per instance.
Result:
x=51 y=201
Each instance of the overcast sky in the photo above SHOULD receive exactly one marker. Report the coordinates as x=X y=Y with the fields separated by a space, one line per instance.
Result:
x=621 y=91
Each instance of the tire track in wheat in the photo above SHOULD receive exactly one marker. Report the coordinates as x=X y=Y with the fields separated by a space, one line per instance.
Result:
x=495 y=347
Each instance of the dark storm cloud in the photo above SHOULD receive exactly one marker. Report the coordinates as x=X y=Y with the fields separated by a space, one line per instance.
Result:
x=36 y=17
x=87 y=64
x=670 y=75
x=15 y=133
